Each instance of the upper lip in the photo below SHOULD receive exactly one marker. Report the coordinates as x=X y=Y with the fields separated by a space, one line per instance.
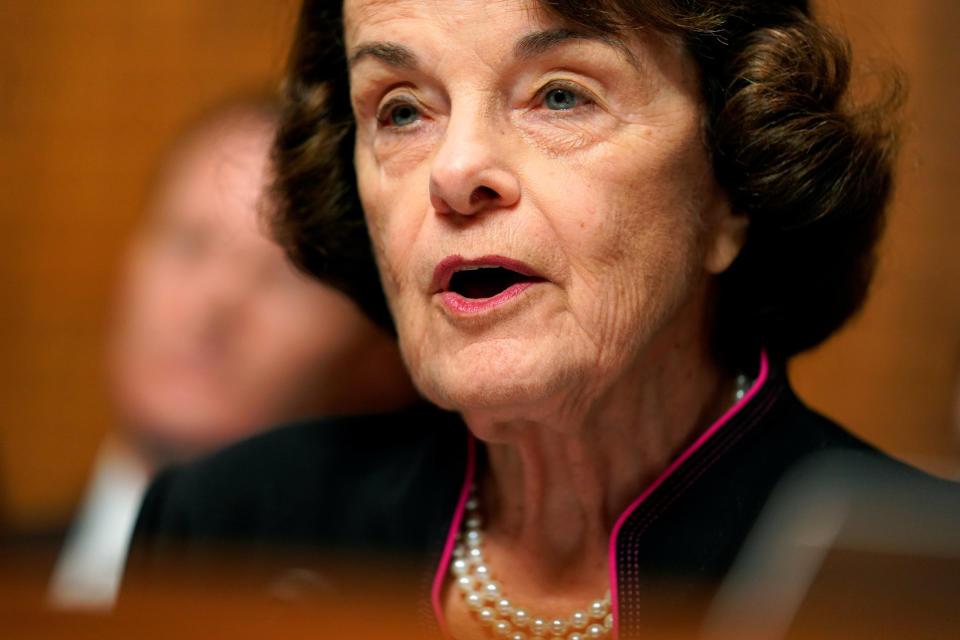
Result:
x=451 y=264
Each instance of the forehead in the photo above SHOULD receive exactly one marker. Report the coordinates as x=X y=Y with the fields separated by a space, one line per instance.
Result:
x=458 y=35
x=468 y=20
x=373 y=11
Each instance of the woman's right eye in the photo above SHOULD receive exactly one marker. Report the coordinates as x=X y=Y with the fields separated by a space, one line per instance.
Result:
x=398 y=114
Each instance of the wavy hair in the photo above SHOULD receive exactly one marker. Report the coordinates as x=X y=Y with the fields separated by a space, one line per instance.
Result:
x=811 y=169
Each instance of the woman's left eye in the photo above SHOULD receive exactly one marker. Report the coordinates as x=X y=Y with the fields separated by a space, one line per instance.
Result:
x=560 y=99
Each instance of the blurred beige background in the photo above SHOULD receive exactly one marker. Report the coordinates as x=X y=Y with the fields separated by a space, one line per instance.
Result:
x=90 y=92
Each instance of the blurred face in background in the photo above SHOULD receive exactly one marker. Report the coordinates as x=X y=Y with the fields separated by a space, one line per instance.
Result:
x=216 y=335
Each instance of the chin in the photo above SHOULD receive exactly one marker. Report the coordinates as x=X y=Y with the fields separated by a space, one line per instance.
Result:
x=474 y=380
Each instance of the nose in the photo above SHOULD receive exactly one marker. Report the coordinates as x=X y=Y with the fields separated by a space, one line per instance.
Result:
x=470 y=172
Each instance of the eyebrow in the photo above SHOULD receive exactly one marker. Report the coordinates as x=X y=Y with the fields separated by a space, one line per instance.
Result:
x=528 y=47
x=391 y=53
x=539 y=42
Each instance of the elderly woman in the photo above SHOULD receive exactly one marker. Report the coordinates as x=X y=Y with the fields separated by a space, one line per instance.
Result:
x=601 y=228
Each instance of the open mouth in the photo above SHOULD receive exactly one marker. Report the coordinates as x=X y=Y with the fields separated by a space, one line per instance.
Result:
x=469 y=286
x=486 y=281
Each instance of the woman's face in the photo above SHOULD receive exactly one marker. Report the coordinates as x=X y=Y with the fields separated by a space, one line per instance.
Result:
x=540 y=201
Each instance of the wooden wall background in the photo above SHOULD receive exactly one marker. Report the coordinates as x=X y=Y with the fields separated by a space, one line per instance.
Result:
x=91 y=91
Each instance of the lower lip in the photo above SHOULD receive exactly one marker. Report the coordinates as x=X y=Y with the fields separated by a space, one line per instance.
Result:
x=456 y=302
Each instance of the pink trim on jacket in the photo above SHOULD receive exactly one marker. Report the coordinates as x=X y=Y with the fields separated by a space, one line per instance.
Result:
x=704 y=437
x=441 y=574
x=438 y=579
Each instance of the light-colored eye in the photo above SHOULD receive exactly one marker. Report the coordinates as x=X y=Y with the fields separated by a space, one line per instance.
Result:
x=561 y=99
x=400 y=114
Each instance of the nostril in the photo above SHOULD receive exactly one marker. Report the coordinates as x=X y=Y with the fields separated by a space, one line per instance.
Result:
x=481 y=194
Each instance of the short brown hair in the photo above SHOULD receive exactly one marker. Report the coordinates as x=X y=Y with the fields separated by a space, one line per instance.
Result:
x=811 y=170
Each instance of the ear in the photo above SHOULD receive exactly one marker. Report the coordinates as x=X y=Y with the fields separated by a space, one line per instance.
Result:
x=728 y=232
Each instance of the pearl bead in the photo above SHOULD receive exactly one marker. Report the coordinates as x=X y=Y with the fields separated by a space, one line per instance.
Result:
x=578 y=620
x=487 y=615
x=492 y=590
x=520 y=617
x=474 y=601
x=538 y=626
x=598 y=610
x=558 y=627
x=484 y=596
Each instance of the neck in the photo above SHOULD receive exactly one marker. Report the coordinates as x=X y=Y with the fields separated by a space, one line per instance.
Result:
x=558 y=482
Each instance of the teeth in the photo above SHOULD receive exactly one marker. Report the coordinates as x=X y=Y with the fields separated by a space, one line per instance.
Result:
x=477 y=267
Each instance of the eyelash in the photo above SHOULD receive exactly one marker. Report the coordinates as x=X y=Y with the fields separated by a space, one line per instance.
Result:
x=386 y=110
x=584 y=98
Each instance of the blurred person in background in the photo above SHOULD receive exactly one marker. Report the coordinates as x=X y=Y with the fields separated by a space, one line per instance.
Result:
x=214 y=338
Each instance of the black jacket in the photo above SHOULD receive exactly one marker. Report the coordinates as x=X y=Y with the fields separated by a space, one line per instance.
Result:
x=390 y=485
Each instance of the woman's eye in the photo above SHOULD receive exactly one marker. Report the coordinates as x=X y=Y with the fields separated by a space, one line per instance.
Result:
x=559 y=99
x=400 y=115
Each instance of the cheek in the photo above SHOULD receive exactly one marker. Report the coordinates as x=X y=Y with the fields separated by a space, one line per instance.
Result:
x=394 y=207
x=629 y=231
x=395 y=246
x=393 y=235
x=625 y=221
x=398 y=154
x=376 y=210
x=659 y=200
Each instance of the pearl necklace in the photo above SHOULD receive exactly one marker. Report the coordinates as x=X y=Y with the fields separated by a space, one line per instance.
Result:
x=484 y=598
x=742 y=386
